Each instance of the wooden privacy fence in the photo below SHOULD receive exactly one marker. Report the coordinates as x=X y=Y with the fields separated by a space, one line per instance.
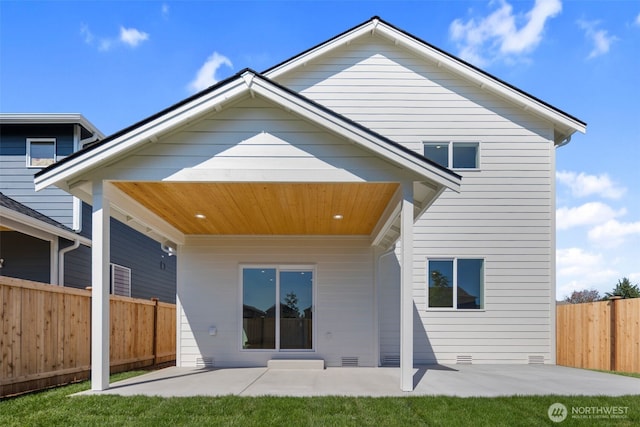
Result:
x=599 y=335
x=45 y=334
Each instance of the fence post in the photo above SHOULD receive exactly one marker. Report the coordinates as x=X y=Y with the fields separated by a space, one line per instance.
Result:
x=613 y=332
x=155 y=331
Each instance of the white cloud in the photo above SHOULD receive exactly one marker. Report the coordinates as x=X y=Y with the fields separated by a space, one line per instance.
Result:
x=578 y=270
x=637 y=21
x=587 y=214
x=500 y=34
x=132 y=36
x=128 y=36
x=582 y=185
x=613 y=233
x=206 y=75
x=600 y=38
x=86 y=33
x=165 y=10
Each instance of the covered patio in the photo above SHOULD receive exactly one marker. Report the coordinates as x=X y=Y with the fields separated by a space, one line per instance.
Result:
x=454 y=380
x=248 y=177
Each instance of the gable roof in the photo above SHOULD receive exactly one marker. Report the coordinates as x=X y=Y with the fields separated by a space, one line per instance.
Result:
x=246 y=82
x=564 y=124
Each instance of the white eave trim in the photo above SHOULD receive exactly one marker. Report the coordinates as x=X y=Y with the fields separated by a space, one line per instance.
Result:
x=567 y=124
x=50 y=118
x=41 y=225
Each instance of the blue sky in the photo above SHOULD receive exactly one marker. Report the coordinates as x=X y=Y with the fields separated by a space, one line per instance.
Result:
x=119 y=62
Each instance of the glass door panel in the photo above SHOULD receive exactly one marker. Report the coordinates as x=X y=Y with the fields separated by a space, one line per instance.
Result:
x=259 y=308
x=296 y=310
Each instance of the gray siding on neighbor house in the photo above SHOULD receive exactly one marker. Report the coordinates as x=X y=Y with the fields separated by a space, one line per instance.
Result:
x=16 y=179
x=25 y=257
x=153 y=272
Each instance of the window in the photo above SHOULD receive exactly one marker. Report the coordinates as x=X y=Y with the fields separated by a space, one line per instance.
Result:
x=456 y=283
x=456 y=155
x=41 y=152
x=120 y=280
x=277 y=308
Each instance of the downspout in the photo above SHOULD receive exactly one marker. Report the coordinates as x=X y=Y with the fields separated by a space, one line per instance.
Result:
x=61 y=253
x=377 y=320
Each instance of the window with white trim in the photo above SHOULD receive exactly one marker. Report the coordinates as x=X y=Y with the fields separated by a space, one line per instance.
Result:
x=41 y=152
x=454 y=155
x=120 y=280
x=456 y=283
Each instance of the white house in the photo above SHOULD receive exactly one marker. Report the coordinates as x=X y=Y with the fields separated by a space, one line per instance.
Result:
x=309 y=224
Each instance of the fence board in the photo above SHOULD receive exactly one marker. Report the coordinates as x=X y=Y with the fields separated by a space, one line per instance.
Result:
x=595 y=336
x=45 y=334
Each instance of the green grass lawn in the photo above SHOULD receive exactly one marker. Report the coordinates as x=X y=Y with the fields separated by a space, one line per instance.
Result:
x=55 y=408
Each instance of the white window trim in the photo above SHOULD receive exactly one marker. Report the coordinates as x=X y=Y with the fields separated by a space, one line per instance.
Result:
x=30 y=140
x=112 y=286
x=279 y=268
x=450 y=153
x=455 y=281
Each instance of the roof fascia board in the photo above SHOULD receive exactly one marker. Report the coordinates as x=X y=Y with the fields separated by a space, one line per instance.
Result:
x=442 y=59
x=336 y=124
x=147 y=132
x=50 y=118
x=42 y=226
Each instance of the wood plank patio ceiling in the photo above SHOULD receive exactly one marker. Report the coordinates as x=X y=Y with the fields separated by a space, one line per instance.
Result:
x=265 y=208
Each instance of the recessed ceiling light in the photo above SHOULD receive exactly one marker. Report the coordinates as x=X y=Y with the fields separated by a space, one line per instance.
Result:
x=337 y=216
x=200 y=216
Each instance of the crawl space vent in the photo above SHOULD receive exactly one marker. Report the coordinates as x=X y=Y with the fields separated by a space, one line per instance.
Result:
x=349 y=361
x=204 y=362
x=391 y=360
x=464 y=360
x=536 y=360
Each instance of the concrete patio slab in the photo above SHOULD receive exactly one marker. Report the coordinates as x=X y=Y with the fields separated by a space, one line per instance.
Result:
x=453 y=380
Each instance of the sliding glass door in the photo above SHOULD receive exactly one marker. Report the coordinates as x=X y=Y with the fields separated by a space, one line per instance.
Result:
x=277 y=308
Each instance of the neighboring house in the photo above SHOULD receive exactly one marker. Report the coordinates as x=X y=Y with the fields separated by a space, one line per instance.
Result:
x=46 y=236
x=309 y=223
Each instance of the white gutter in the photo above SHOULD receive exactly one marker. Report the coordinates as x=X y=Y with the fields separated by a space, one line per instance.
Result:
x=61 y=253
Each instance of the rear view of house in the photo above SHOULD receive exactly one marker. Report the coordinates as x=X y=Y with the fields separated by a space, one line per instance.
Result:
x=371 y=201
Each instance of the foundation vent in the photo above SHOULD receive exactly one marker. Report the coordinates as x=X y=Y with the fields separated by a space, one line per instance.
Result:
x=391 y=360
x=204 y=362
x=536 y=360
x=349 y=362
x=464 y=360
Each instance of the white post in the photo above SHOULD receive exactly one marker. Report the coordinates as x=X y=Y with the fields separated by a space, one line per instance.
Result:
x=406 y=289
x=100 y=256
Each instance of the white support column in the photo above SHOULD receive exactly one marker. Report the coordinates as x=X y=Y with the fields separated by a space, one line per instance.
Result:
x=100 y=256
x=406 y=289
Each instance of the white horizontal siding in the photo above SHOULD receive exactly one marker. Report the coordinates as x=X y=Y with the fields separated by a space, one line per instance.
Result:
x=209 y=292
x=256 y=135
x=503 y=214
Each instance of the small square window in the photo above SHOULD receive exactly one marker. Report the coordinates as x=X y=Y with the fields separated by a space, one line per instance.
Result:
x=41 y=152
x=437 y=152
x=465 y=155
x=456 y=283
x=455 y=155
